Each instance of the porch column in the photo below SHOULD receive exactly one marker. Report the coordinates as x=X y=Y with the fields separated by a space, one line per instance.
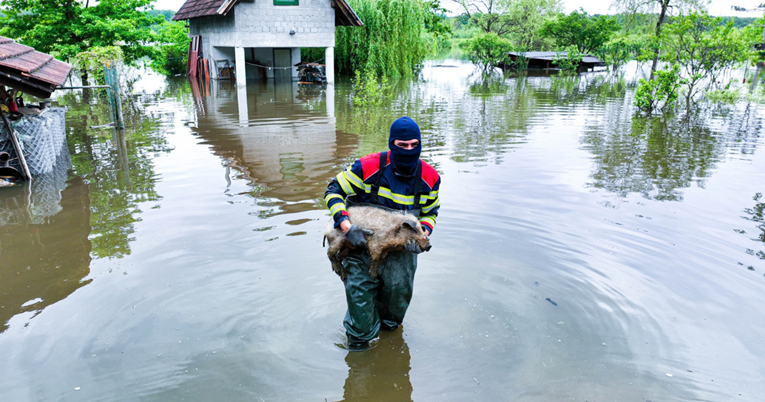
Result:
x=241 y=77
x=241 y=99
x=329 y=64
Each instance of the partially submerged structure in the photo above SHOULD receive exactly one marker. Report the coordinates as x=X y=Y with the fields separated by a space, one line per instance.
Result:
x=262 y=38
x=545 y=60
x=32 y=136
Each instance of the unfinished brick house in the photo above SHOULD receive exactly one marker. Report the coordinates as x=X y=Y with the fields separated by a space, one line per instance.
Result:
x=250 y=34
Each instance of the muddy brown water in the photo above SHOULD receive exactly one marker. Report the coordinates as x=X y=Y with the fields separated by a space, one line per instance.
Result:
x=581 y=253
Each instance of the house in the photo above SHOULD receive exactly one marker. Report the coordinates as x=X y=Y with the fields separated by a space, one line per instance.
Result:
x=262 y=38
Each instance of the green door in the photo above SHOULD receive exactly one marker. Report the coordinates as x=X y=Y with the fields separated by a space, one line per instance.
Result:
x=283 y=58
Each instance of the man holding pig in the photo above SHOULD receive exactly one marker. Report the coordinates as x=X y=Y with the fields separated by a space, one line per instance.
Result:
x=397 y=179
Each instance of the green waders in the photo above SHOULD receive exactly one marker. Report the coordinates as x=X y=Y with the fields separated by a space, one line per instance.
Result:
x=377 y=303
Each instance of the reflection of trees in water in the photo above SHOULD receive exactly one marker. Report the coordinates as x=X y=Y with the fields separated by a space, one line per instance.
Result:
x=653 y=156
x=43 y=262
x=117 y=166
x=756 y=214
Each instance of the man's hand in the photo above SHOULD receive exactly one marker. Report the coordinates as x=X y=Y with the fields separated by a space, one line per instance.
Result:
x=413 y=247
x=345 y=225
x=355 y=236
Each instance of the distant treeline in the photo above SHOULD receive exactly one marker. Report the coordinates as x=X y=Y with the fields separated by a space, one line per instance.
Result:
x=165 y=13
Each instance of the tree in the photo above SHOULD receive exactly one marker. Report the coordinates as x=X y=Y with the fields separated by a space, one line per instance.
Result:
x=65 y=28
x=703 y=47
x=486 y=50
x=587 y=33
x=172 y=50
x=663 y=7
x=518 y=20
x=391 y=42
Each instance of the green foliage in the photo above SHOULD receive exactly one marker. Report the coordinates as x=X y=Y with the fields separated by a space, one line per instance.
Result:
x=67 y=28
x=516 y=20
x=568 y=62
x=172 y=48
x=753 y=34
x=704 y=49
x=588 y=33
x=166 y=14
x=729 y=96
x=487 y=50
x=659 y=93
x=618 y=51
x=95 y=58
x=391 y=43
x=312 y=54
x=435 y=19
x=368 y=91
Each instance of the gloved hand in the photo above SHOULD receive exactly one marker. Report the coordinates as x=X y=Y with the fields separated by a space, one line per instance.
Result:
x=413 y=247
x=355 y=236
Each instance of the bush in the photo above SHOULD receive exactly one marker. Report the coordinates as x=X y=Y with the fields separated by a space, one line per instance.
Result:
x=173 y=51
x=660 y=93
x=487 y=50
x=570 y=62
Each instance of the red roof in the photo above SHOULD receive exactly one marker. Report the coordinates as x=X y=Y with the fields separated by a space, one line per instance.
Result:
x=25 y=69
x=344 y=15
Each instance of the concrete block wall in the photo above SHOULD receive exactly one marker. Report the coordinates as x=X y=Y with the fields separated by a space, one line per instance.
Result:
x=262 y=24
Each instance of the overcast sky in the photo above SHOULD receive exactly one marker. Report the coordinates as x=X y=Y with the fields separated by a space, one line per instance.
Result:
x=717 y=7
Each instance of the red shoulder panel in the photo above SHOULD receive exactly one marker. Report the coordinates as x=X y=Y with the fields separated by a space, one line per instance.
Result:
x=429 y=174
x=370 y=164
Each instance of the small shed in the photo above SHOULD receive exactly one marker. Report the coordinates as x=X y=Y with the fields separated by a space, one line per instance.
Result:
x=29 y=71
x=262 y=38
x=33 y=137
x=545 y=59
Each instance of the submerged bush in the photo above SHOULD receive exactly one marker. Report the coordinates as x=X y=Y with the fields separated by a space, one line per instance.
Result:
x=659 y=93
x=367 y=90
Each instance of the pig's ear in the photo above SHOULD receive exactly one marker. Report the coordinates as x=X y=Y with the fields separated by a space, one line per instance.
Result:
x=410 y=225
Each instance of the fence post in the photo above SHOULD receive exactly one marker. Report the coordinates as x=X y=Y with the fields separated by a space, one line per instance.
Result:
x=112 y=80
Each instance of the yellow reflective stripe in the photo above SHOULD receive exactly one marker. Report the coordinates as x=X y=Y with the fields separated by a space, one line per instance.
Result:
x=430 y=207
x=337 y=208
x=329 y=197
x=397 y=198
x=356 y=181
x=428 y=219
x=344 y=184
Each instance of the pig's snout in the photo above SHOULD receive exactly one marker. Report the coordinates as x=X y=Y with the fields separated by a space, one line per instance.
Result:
x=427 y=248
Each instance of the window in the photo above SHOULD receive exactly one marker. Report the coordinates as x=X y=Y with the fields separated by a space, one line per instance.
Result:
x=286 y=2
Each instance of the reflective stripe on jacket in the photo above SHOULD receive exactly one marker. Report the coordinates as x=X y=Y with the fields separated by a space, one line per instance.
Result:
x=395 y=192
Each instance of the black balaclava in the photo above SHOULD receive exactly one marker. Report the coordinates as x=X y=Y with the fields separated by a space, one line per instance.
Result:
x=404 y=161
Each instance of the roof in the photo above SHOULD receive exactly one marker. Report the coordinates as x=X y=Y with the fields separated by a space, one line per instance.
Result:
x=32 y=72
x=586 y=58
x=344 y=14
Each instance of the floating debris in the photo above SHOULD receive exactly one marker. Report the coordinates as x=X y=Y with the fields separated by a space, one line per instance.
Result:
x=669 y=375
x=550 y=300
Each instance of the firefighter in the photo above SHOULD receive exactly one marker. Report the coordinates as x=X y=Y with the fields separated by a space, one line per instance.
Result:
x=396 y=179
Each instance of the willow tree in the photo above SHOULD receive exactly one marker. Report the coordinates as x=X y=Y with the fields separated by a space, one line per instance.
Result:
x=392 y=41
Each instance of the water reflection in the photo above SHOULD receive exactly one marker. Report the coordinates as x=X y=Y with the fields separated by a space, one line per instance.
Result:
x=756 y=214
x=653 y=156
x=117 y=166
x=43 y=260
x=288 y=147
x=381 y=373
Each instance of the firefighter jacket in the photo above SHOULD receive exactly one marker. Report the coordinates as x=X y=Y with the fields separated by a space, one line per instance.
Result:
x=393 y=191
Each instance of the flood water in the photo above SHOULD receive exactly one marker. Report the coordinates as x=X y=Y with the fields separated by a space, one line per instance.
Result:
x=581 y=253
